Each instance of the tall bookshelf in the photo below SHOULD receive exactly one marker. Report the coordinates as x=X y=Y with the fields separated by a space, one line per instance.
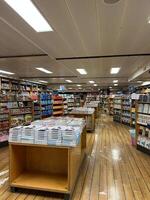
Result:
x=117 y=110
x=58 y=105
x=111 y=105
x=143 y=123
x=126 y=110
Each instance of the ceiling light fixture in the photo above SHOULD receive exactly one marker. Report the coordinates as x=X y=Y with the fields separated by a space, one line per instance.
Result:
x=110 y=87
x=27 y=10
x=69 y=81
x=82 y=71
x=43 y=81
x=91 y=81
x=6 y=72
x=95 y=84
x=44 y=70
x=80 y=88
x=114 y=70
x=115 y=84
x=146 y=83
x=115 y=81
x=79 y=85
x=70 y=88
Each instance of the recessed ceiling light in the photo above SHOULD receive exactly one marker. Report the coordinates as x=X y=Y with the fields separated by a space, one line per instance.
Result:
x=146 y=83
x=110 y=87
x=79 y=85
x=82 y=71
x=115 y=84
x=44 y=70
x=115 y=81
x=69 y=81
x=70 y=88
x=95 y=84
x=114 y=70
x=6 y=72
x=91 y=81
x=27 y=10
x=43 y=81
x=80 y=88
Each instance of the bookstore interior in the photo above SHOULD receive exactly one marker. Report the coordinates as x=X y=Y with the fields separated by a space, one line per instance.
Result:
x=74 y=100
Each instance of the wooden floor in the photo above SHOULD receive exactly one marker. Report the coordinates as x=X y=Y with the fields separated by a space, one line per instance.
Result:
x=114 y=170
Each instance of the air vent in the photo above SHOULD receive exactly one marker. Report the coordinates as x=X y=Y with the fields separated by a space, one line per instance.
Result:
x=111 y=1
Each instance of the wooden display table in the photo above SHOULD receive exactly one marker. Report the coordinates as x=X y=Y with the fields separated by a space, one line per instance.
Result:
x=90 y=119
x=47 y=168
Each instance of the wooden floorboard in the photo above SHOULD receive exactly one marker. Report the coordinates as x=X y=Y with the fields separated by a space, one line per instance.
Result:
x=113 y=169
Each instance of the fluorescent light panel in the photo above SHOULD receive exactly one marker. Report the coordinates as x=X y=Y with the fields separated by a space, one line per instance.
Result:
x=95 y=84
x=69 y=81
x=79 y=85
x=43 y=81
x=146 y=83
x=82 y=71
x=27 y=10
x=115 y=84
x=44 y=70
x=91 y=81
x=114 y=70
x=115 y=81
x=6 y=72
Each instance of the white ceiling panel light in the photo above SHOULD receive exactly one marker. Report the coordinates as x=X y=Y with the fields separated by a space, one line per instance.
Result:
x=79 y=85
x=69 y=81
x=82 y=71
x=115 y=81
x=6 y=72
x=44 y=70
x=95 y=84
x=146 y=83
x=43 y=81
x=110 y=87
x=115 y=84
x=114 y=70
x=28 y=11
x=91 y=81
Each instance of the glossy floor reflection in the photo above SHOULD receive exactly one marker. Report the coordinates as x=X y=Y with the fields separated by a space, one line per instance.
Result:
x=114 y=170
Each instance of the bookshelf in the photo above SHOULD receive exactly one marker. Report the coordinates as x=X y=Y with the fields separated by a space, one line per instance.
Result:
x=110 y=105
x=58 y=105
x=4 y=123
x=46 y=104
x=126 y=110
x=117 y=110
x=143 y=123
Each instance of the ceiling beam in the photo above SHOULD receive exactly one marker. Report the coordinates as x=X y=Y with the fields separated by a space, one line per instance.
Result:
x=139 y=72
x=104 y=56
x=23 y=56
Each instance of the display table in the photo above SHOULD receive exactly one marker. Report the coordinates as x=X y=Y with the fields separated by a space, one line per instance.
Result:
x=44 y=167
x=89 y=117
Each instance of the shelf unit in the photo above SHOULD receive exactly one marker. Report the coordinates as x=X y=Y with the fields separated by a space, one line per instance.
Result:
x=117 y=114
x=58 y=105
x=110 y=105
x=143 y=123
x=46 y=104
x=4 y=123
x=21 y=112
x=126 y=110
x=30 y=167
